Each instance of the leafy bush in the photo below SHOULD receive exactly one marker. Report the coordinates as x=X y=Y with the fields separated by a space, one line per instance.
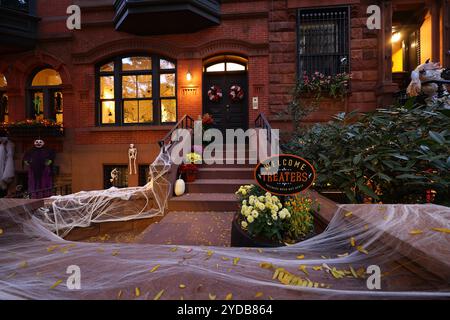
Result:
x=396 y=155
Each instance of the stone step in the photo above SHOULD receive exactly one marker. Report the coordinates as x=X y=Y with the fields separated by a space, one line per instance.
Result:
x=225 y=173
x=217 y=185
x=234 y=165
x=196 y=202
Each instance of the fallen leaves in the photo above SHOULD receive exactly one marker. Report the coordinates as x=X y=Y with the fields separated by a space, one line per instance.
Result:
x=236 y=261
x=287 y=278
x=348 y=214
x=259 y=295
x=301 y=257
x=57 y=283
x=303 y=269
x=229 y=297
x=209 y=254
x=52 y=248
x=212 y=296
x=137 y=292
x=119 y=295
x=362 y=250
x=159 y=295
x=443 y=230
x=352 y=241
x=266 y=265
x=415 y=232
x=182 y=286
x=155 y=268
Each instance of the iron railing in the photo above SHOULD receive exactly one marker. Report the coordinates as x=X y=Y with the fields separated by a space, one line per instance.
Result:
x=261 y=122
x=323 y=40
x=185 y=123
x=44 y=193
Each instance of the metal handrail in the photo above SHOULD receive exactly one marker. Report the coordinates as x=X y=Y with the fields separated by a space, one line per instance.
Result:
x=262 y=123
x=185 y=123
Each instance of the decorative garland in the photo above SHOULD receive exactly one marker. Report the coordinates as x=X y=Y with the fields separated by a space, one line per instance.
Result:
x=236 y=94
x=215 y=93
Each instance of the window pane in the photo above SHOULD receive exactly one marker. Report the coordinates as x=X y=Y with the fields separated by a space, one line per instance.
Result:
x=145 y=111
x=3 y=82
x=219 y=67
x=47 y=77
x=136 y=63
x=59 y=106
x=131 y=111
x=129 y=89
x=115 y=176
x=107 y=87
x=167 y=85
x=109 y=67
x=3 y=107
x=144 y=84
x=164 y=64
x=231 y=66
x=138 y=111
x=168 y=110
x=108 y=112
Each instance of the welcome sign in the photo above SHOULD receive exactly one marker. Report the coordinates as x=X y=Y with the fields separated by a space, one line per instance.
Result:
x=285 y=175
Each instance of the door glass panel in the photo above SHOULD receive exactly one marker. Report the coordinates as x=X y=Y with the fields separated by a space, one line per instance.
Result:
x=59 y=106
x=38 y=105
x=168 y=110
x=219 y=67
x=167 y=85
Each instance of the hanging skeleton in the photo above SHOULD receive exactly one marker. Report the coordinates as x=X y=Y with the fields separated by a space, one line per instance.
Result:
x=132 y=159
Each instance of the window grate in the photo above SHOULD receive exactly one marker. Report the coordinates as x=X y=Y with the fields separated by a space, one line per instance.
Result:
x=323 y=41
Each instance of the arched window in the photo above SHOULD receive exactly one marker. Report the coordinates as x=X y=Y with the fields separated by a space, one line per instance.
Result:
x=45 y=96
x=225 y=63
x=137 y=90
x=4 y=117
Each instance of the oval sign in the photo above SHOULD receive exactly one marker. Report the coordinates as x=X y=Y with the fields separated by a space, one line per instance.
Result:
x=285 y=175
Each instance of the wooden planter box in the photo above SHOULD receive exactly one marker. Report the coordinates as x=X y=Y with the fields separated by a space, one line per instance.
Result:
x=240 y=238
x=34 y=131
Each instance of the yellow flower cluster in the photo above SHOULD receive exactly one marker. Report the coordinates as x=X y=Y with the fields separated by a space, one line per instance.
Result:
x=193 y=158
x=244 y=190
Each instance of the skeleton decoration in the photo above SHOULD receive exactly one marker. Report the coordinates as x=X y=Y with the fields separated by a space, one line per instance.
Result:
x=427 y=72
x=7 y=171
x=132 y=159
x=39 y=160
x=114 y=176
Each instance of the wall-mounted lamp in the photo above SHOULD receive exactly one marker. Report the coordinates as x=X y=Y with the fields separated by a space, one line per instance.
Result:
x=396 y=37
x=189 y=76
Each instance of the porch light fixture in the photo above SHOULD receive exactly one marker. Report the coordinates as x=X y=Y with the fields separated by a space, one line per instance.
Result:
x=189 y=76
x=396 y=37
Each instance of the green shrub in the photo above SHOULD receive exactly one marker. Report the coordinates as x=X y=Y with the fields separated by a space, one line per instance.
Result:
x=391 y=155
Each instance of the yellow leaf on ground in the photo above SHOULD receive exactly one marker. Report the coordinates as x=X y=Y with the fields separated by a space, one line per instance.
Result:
x=155 y=268
x=115 y=253
x=300 y=257
x=212 y=297
x=23 y=264
x=209 y=254
x=317 y=268
x=415 y=232
x=229 y=296
x=348 y=214
x=266 y=265
x=119 y=295
x=303 y=269
x=182 y=286
x=236 y=261
x=174 y=249
x=137 y=292
x=159 y=295
x=259 y=295
x=260 y=250
x=1 y=231
x=352 y=241
x=353 y=272
x=343 y=255
x=57 y=283
x=225 y=259
x=361 y=249
x=443 y=230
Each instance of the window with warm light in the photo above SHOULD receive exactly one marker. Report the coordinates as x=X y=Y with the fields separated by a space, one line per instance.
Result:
x=45 y=96
x=137 y=90
x=4 y=117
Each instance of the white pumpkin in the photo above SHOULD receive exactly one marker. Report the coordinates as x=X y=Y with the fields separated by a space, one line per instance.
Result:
x=180 y=187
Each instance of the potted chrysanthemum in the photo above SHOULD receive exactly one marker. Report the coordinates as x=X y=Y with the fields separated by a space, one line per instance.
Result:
x=265 y=220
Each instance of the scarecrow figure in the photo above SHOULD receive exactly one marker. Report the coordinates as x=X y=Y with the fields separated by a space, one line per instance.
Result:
x=40 y=176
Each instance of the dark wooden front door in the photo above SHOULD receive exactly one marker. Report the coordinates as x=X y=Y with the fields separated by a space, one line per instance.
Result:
x=226 y=113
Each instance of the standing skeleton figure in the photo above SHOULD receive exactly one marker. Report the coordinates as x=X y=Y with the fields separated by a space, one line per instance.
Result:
x=132 y=157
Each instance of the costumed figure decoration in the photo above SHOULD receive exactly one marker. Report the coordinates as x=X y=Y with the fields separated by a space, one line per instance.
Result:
x=40 y=176
x=6 y=164
x=429 y=71
x=132 y=158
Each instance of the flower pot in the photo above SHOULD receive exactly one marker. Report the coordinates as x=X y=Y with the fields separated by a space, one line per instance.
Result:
x=240 y=238
x=191 y=176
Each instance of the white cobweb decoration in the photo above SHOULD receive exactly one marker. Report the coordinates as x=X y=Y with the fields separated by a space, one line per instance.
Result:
x=63 y=213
